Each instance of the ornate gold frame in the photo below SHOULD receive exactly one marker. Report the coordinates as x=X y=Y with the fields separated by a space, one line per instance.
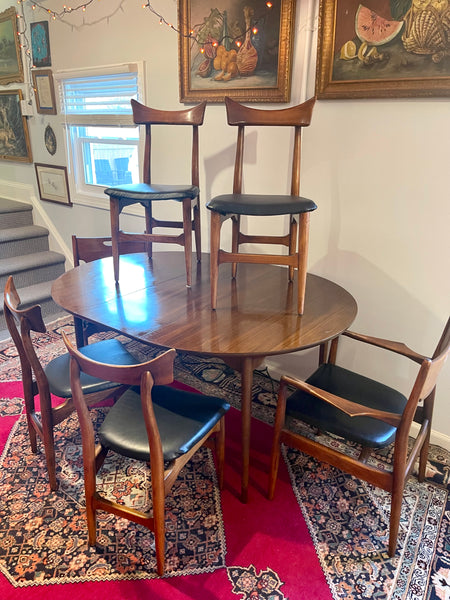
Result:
x=397 y=85
x=239 y=87
x=14 y=136
x=8 y=21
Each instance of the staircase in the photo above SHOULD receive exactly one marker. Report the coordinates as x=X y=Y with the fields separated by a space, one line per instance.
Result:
x=25 y=254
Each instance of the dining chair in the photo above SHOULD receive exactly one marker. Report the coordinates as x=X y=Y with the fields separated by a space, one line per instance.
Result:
x=88 y=249
x=53 y=378
x=147 y=192
x=151 y=422
x=237 y=204
x=366 y=412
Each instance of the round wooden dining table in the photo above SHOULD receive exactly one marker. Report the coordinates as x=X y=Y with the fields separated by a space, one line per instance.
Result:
x=256 y=313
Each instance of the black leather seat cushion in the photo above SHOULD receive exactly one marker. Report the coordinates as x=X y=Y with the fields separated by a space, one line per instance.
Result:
x=141 y=192
x=341 y=382
x=183 y=419
x=260 y=204
x=106 y=351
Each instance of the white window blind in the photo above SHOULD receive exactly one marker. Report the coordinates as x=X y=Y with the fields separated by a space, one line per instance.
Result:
x=100 y=95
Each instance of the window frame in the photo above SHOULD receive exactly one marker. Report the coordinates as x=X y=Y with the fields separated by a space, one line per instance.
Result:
x=92 y=195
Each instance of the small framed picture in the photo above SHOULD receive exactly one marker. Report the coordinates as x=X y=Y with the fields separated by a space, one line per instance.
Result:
x=44 y=92
x=53 y=183
x=40 y=44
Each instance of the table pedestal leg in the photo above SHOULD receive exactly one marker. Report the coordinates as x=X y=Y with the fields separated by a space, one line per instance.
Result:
x=245 y=366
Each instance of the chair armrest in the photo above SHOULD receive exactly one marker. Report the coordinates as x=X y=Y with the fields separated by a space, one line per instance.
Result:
x=397 y=347
x=352 y=409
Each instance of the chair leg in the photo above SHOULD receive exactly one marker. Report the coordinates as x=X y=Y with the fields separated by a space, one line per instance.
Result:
x=49 y=445
x=91 y=522
x=159 y=524
x=187 y=228
x=303 y=239
x=214 y=256
x=29 y=409
x=149 y=226
x=197 y=231
x=236 y=228
x=220 y=451
x=396 y=508
x=293 y=228
x=114 y=215
x=428 y=405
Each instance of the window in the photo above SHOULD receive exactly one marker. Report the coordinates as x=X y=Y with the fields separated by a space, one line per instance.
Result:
x=101 y=137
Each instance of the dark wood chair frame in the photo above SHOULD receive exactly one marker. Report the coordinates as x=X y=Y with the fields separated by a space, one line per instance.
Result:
x=297 y=238
x=20 y=323
x=403 y=460
x=88 y=249
x=149 y=117
x=158 y=371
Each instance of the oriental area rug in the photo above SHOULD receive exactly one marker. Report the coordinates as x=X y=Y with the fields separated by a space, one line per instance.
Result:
x=323 y=537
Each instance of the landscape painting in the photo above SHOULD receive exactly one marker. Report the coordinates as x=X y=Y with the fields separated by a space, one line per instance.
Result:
x=11 y=68
x=383 y=48
x=14 y=138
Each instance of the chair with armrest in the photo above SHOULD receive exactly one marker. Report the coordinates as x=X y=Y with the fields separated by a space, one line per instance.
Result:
x=234 y=206
x=362 y=410
x=147 y=192
x=55 y=377
x=155 y=423
x=87 y=250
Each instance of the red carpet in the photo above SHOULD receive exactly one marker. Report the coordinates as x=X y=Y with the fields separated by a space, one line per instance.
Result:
x=269 y=552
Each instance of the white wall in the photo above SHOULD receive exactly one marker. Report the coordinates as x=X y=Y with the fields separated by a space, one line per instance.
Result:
x=377 y=169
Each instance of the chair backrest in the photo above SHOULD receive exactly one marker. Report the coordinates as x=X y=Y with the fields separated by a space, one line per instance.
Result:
x=242 y=116
x=20 y=323
x=425 y=383
x=160 y=368
x=89 y=249
x=193 y=117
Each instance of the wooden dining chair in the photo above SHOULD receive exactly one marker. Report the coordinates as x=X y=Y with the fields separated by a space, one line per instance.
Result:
x=88 y=249
x=147 y=192
x=54 y=378
x=155 y=423
x=237 y=204
x=362 y=410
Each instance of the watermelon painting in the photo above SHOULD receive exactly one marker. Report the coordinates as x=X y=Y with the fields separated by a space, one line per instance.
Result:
x=373 y=29
x=380 y=46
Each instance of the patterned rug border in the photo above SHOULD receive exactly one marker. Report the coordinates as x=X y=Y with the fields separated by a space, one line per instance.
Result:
x=137 y=575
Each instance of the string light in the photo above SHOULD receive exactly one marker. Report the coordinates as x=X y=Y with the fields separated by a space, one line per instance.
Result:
x=65 y=11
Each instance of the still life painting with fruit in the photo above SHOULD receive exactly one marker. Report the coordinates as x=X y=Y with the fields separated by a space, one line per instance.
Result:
x=234 y=44
x=392 y=38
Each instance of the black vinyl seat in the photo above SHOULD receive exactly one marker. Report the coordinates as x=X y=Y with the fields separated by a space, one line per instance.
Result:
x=183 y=418
x=357 y=388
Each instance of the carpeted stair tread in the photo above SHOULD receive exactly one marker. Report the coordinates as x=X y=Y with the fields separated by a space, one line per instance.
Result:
x=30 y=261
x=22 y=233
x=23 y=240
x=8 y=206
x=15 y=214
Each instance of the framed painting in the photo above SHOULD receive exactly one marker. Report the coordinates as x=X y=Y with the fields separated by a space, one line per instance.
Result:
x=44 y=91
x=236 y=48
x=40 y=45
x=11 y=67
x=14 y=137
x=383 y=49
x=53 y=183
